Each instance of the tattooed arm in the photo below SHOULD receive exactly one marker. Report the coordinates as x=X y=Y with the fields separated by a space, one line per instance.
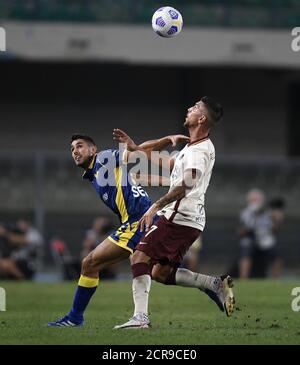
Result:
x=178 y=192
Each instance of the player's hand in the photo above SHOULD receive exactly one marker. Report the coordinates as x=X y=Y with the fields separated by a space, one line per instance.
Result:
x=122 y=137
x=147 y=219
x=178 y=138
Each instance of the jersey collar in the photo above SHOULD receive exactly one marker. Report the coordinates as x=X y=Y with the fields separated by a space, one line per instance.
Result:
x=88 y=174
x=198 y=140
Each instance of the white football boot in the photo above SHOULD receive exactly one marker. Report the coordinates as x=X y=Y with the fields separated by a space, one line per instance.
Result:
x=225 y=294
x=139 y=320
x=222 y=295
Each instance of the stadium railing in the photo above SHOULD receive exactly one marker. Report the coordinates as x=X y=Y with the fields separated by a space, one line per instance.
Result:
x=50 y=179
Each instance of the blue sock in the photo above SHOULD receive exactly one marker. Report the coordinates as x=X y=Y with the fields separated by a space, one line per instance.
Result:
x=85 y=290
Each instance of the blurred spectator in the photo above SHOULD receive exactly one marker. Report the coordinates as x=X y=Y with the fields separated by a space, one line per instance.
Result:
x=96 y=234
x=70 y=266
x=93 y=236
x=276 y=207
x=258 y=240
x=20 y=247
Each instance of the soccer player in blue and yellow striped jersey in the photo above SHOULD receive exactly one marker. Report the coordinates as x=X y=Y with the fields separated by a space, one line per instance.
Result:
x=129 y=201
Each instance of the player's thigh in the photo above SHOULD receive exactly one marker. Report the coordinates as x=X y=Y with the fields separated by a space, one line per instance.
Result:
x=107 y=253
x=140 y=257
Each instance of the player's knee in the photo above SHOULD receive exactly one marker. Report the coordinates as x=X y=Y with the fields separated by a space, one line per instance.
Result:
x=139 y=257
x=88 y=264
x=84 y=263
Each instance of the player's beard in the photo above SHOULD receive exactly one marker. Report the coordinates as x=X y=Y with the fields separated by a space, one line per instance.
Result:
x=189 y=121
x=186 y=123
x=85 y=163
x=189 y=124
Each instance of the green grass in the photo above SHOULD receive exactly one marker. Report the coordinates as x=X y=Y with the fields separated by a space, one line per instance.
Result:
x=178 y=315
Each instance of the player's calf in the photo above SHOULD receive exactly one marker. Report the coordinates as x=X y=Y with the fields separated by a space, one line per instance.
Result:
x=164 y=274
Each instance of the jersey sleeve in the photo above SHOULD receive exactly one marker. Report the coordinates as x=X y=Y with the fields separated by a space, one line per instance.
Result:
x=195 y=159
x=116 y=155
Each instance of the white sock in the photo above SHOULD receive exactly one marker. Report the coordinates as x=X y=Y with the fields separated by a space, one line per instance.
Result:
x=140 y=289
x=188 y=278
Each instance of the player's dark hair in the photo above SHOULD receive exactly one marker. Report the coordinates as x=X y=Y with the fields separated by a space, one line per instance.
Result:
x=84 y=137
x=215 y=109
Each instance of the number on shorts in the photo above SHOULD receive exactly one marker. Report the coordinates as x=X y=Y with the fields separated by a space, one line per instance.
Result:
x=153 y=228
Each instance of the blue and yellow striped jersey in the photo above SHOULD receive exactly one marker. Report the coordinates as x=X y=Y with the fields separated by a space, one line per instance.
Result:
x=116 y=189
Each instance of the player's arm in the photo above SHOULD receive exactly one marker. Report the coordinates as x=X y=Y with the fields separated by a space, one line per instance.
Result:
x=151 y=180
x=159 y=144
x=132 y=149
x=178 y=192
x=154 y=145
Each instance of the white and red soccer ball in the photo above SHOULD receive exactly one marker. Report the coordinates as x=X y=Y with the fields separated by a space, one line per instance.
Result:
x=167 y=22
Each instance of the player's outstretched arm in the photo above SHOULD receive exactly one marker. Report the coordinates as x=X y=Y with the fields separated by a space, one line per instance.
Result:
x=149 y=146
x=151 y=180
x=159 y=144
x=152 y=145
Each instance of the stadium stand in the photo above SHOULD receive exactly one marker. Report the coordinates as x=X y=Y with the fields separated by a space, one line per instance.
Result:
x=64 y=193
x=64 y=189
x=237 y=13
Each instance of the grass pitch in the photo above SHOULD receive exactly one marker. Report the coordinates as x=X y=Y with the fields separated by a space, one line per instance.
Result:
x=178 y=315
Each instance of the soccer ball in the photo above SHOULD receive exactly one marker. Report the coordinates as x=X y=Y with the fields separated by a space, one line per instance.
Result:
x=167 y=22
